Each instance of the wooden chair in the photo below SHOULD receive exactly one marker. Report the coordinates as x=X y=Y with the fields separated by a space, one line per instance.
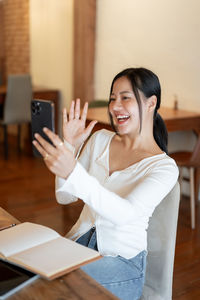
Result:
x=17 y=107
x=190 y=160
x=161 y=241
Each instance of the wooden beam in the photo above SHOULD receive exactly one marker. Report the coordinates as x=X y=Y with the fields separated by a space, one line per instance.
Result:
x=84 y=49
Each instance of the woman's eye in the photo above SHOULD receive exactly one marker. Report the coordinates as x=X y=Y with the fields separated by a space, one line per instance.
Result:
x=125 y=97
x=112 y=99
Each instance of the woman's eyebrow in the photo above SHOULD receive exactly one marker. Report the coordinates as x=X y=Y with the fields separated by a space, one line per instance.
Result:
x=123 y=92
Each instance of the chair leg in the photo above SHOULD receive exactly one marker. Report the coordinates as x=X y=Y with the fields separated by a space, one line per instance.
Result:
x=5 y=141
x=192 y=198
x=197 y=182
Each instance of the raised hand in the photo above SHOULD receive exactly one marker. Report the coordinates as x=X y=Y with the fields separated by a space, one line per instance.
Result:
x=74 y=130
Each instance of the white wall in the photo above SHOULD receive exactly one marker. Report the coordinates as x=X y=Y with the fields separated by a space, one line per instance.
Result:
x=51 y=37
x=161 y=35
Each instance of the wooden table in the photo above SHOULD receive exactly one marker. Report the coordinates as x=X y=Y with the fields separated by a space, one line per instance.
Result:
x=175 y=120
x=38 y=93
x=75 y=285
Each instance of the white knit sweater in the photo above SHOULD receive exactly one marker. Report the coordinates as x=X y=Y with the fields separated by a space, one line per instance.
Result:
x=118 y=205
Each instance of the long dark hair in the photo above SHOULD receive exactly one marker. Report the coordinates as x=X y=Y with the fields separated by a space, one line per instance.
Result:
x=148 y=83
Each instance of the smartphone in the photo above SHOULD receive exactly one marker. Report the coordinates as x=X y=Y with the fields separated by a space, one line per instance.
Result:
x=13 y=278
x=42 y=115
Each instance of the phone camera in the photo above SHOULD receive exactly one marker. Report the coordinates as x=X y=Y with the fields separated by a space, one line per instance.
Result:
x=36 y=108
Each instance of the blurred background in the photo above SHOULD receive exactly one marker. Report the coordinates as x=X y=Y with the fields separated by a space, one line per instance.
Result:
x=78 y=46
x=74 y=48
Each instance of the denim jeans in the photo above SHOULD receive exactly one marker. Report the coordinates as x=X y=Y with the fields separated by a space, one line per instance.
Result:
x=122 y=277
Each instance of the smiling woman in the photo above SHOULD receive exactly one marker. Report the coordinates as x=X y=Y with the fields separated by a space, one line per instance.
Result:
x=141 y=86
x=121 y=177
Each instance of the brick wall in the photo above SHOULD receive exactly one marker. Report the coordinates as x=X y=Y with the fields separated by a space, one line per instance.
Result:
x=15 y=36
x=14 y=43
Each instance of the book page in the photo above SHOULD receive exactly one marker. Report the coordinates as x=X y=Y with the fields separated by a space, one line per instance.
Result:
x=24 y=236
x=55 y=256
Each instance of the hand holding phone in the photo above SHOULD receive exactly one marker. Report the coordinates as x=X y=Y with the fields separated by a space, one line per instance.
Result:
x=42 y=115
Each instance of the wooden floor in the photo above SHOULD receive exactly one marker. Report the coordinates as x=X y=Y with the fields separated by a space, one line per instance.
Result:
x=27 y=192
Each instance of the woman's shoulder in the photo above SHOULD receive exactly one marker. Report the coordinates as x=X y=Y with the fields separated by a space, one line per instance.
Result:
x=166 y=159
x=163 y=163
x=163 y=159
x=102 y=135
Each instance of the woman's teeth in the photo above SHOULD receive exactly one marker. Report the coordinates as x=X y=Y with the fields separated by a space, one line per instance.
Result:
x=123 y=117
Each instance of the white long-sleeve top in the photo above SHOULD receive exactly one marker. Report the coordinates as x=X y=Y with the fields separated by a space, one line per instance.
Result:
x=119 y=205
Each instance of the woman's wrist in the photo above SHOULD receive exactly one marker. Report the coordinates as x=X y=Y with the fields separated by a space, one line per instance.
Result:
x=74 y=149
x=72 y=169
x=70 y=147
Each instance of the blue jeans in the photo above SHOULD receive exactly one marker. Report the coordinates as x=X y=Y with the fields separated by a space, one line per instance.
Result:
x=122 y=277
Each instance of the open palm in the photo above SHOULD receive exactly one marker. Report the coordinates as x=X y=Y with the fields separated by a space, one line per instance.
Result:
x=75 y=131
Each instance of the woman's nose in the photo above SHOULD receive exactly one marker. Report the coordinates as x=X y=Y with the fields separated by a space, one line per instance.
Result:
x=117 y=104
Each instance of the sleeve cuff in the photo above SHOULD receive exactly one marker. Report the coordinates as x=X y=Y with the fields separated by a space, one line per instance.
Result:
x=75 y=181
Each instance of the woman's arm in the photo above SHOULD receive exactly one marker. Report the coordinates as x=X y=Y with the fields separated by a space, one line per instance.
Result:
x=62 y=196
x=75 y=134
x=140 y=202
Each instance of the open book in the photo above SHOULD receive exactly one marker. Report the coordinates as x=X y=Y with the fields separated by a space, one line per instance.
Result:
x=42 y=250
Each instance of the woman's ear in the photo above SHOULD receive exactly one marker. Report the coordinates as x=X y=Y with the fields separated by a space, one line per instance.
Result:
x=152 y=101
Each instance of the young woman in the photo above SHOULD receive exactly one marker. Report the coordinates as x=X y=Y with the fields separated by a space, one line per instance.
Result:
x=121 y=176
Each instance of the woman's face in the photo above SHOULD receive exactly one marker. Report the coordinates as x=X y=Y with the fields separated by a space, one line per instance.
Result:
x=124 y=107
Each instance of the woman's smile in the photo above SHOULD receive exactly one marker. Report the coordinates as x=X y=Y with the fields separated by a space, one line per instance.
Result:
x=122 y=119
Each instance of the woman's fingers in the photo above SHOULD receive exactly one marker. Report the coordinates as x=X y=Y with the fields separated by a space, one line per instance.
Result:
x=40 y=149
x=64 y=116
x=47 y=147
x=58 y=159
x=58 y=143
x=84 y=112
x=74 y=112
x=77 y=109
x=71 y=111
x=88 y=130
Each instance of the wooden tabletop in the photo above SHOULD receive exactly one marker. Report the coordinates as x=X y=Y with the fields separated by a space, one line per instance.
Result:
x=75 y=285
x=175 y=120
x=6 y=219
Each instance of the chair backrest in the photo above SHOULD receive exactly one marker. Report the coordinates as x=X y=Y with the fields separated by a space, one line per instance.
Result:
x=195 y=158
x=18 y=99
x=161 y=240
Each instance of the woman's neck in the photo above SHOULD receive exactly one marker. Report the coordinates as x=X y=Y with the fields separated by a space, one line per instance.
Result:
x=140 y=142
